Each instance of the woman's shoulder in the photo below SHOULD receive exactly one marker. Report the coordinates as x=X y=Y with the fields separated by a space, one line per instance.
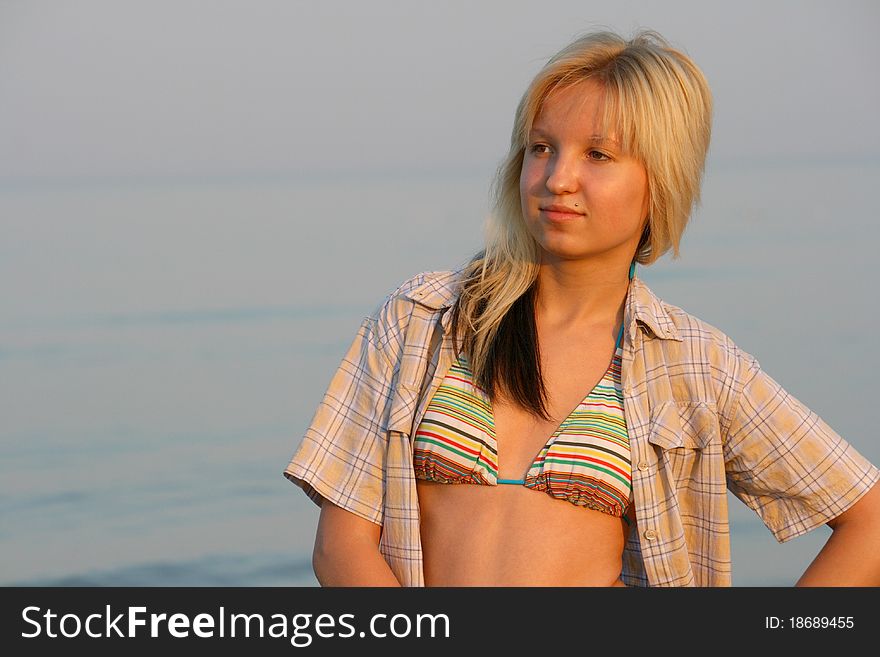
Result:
x=689 y=360
x=694 y=334
x=435 y=290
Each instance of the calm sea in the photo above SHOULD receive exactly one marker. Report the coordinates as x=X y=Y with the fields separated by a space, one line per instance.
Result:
x=164 y=343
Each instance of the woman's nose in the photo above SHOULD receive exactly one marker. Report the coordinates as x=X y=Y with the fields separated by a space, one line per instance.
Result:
x=562 y=177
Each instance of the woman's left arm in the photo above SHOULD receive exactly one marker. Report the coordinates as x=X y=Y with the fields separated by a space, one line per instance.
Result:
x=851 y=555
x=787 y=464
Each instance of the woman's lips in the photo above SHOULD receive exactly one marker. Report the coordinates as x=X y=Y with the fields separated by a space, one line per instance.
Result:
x=560 y=213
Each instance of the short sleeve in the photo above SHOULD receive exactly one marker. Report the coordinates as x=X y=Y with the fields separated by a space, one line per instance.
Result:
x=342 y=455
x=784 y=462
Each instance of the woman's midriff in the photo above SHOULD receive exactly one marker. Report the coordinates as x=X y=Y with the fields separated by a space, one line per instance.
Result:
x=510 y=535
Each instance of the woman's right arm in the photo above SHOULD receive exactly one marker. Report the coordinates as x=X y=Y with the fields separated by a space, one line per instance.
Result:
x=347 y=550
x=341 y=460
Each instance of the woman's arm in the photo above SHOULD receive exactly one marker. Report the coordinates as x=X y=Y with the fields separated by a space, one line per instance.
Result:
x=347 y=550
x=851 y=556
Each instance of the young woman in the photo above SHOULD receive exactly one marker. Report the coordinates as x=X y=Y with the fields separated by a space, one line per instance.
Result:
x=540 y=417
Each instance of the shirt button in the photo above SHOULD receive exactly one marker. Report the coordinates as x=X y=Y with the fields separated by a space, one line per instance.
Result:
x=650 y=534
x=643 y=466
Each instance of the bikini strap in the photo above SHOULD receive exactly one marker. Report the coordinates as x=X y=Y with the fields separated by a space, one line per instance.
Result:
x=632 y=269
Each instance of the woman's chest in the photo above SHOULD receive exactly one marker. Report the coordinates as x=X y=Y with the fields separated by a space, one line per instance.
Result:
x=582 y=386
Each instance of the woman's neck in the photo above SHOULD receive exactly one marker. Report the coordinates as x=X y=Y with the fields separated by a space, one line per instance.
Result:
x=580 y=293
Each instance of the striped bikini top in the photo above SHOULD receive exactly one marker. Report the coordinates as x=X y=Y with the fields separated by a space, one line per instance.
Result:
x=586 y=461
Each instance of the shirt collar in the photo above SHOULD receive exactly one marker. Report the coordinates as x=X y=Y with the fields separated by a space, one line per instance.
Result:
x=438 y=292
x=645 y=307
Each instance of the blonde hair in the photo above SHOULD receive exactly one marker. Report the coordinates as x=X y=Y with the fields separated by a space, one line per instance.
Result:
x=659 y=105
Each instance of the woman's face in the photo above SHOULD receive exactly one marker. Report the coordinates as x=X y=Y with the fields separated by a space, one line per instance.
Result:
x=582 y=196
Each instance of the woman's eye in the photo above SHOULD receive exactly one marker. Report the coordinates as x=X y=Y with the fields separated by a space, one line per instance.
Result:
x=538 y=148
x=597 y=155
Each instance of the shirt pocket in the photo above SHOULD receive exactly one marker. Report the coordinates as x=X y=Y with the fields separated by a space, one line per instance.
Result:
x=686 y=437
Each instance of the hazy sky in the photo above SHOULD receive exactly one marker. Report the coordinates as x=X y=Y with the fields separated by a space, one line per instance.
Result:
x=109 y=88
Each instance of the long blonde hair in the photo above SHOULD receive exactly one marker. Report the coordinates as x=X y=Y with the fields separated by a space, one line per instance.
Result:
x=659 y=105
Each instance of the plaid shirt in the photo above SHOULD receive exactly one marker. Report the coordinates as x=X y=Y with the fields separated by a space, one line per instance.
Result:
x=701 y=414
